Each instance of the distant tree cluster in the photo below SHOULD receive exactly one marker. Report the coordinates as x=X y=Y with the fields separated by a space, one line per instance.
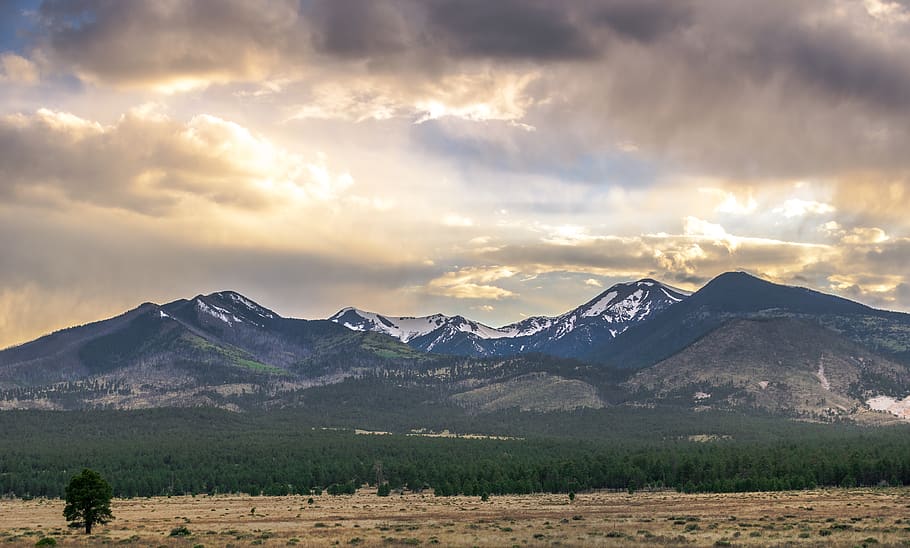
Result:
x=198 y=451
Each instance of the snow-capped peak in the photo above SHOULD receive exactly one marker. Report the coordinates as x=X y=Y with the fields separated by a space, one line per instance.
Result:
x=407 y=328
x=620 y=306
x=240 y=300
x=608 y=314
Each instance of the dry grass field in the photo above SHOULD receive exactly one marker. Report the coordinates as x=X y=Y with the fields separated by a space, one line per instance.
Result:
x=857 y=517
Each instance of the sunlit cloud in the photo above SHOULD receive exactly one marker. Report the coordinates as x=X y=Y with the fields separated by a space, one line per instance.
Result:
x=865 y=235
x=795 y=207
x=730 y=202
x=472 y=283
x=150 y=161
x=17 y=69
x=888 y=10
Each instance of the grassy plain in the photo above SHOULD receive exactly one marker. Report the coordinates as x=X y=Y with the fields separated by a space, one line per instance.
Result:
x=855 y=517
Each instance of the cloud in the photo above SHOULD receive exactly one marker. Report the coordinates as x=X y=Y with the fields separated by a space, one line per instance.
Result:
x=567 y=235
x=730 y=202
x=455 y=220
x=865 y=235
x=798 y=89
x=148 y=162
x=170 y=46
x=472 y=283
x=477 y=96
x=509 y=29
x=795 y=207
x=887 y=10
x=593 y=283
x=17 y=69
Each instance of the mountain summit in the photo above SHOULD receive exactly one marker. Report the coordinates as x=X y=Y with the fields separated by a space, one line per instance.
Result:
x=570 y=334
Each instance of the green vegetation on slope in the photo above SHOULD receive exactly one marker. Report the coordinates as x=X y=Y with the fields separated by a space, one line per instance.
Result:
x=229 y=354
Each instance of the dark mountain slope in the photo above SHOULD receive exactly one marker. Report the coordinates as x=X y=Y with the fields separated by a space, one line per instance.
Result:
x=154 y=354
x=779 y=365
x=56 y=356
x=739 y=295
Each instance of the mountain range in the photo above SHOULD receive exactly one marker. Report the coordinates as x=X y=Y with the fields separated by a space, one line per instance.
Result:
x=568 y=335
x=739 y=343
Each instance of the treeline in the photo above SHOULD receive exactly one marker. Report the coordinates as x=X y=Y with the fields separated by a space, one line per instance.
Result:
x=196 y=451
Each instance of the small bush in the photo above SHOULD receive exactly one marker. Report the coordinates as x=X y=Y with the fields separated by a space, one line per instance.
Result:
x=47 y=541
x=181 y=531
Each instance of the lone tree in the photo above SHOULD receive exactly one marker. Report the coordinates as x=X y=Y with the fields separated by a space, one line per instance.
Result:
x=88 y=501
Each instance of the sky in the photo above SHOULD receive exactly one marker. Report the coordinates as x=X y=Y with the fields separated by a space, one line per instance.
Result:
x=492 y=159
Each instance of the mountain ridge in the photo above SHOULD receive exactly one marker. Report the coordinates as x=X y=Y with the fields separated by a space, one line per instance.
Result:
x=225 y=350
x=738 y=294
x=606 y=315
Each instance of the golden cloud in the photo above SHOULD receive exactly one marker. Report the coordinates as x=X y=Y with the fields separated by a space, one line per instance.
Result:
x=149 y=163
x=472 y=283
x=17 y=69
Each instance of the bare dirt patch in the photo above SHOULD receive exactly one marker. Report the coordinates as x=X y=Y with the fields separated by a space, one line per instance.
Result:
x=874 y=517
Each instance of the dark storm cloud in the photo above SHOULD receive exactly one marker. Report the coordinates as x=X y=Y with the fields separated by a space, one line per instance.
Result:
x=723 y=41
x=840 y=61
x=510 y=29
x=642 y=20
x=359 y=28
x=848 y=69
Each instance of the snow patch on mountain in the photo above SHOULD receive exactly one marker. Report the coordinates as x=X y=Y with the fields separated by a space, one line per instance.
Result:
x=407 y=328
x=217 y=312
x=528 y=326
x=246 y=303
x=601 y=305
